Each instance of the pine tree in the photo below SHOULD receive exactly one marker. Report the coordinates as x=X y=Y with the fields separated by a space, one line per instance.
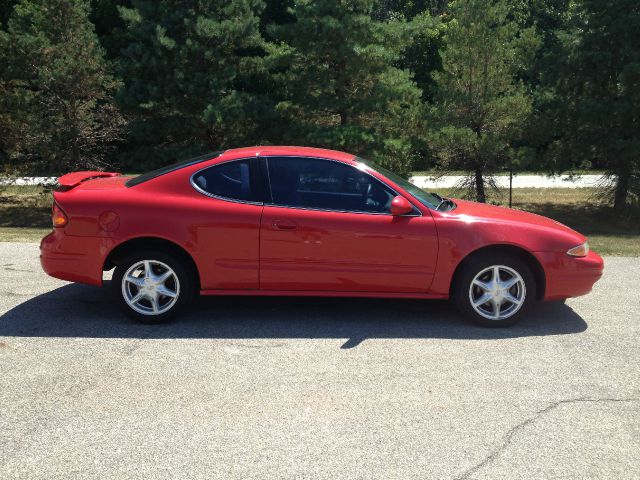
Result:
x=109 y=25
x=192 y=73
x=56 y=86
x=480 y=106
x=6 y=7
x=599 y=84
x=337 y=83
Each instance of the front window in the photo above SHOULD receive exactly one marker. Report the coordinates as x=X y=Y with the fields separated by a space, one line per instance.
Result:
x=326 y=185
x=427 y=199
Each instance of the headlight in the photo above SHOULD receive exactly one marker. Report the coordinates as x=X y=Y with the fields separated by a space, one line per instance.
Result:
x=580 y=250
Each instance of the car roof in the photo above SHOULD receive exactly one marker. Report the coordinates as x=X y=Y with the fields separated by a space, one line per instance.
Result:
x=287 y=150
x=238 y=153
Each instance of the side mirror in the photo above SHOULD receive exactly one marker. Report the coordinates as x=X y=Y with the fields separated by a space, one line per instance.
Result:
x=400 y=206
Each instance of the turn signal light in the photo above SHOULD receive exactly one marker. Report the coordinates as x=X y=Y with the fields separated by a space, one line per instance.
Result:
x=58 y=217
x=580 y=250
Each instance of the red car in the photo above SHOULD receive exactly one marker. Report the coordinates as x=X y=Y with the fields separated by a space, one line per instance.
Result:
x=304 y=221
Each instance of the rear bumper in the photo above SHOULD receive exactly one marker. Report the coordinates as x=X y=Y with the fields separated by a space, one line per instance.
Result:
x=568 y=276
x=72 y=258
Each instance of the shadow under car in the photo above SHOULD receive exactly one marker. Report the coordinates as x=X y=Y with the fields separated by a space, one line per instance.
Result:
x=76 y=310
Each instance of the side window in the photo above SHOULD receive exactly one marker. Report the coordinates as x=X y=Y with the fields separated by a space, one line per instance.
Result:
x=326 y=185
x=229 y=180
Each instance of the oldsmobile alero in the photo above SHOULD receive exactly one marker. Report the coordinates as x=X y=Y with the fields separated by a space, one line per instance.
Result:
x=307 y=222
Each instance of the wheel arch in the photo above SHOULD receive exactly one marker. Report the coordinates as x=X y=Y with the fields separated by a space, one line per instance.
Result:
x=532 y=262
x=151 y=243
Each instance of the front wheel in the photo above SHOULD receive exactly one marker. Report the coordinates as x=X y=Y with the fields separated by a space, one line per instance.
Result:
x=494 y=290
x=152 y=287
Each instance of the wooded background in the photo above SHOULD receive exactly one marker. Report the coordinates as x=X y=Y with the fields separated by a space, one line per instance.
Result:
x=479 y=86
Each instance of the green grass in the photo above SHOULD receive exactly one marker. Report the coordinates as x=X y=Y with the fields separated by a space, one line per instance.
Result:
x=25 y=206
x=22 y=234
x=25 y=215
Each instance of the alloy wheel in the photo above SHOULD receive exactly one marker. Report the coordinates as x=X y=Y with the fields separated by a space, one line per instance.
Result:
x=150 y=287
x=497 y=292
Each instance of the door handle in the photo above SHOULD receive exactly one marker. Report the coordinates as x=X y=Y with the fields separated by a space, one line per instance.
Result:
x=284 y=225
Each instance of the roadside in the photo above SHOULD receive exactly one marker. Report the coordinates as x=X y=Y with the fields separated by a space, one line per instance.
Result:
x=518 y=181
x=25 y=214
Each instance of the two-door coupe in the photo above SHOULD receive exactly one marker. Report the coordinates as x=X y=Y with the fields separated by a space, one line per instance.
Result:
x=309 y=222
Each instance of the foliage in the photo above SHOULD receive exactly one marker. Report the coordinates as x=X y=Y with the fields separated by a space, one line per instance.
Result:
x=480 y=106
x=339 y=88
x=109 y=25
x=6 y=7
x=190 y=71
x=56 y=87
x=598 y=87
x=474 y=85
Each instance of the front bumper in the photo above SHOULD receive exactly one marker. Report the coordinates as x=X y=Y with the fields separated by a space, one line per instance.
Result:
x=568 y=276
x=73 y=258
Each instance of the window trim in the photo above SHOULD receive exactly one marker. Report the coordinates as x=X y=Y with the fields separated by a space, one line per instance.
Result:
x=265 y=159
x=199 y=189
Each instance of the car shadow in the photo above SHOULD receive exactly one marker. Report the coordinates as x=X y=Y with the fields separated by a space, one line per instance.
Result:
x=83 y=311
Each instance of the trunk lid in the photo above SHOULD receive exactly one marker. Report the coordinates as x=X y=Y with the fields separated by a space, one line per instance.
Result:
x=72 y=180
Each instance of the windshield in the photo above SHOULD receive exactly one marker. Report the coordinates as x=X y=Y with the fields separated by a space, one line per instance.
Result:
x=427 y=199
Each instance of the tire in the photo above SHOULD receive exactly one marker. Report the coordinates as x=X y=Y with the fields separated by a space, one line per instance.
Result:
x=159 y=300
x=475 y=282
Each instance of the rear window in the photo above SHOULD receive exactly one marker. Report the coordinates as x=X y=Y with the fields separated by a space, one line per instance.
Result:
x=231 y=180
x=171 y=168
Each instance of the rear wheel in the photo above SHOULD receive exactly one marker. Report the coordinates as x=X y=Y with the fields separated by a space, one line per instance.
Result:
x=495 y=290
x=152 y=286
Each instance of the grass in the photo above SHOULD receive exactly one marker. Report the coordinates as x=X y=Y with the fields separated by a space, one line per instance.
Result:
x=25 y=215
x=22 y=234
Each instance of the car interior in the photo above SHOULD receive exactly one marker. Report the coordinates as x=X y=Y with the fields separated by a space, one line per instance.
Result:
x=324 y=184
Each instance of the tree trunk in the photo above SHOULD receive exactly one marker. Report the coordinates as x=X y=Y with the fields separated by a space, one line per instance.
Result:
x=479 y=180
x=622 y=191
x=344 y=118
x=75 y=155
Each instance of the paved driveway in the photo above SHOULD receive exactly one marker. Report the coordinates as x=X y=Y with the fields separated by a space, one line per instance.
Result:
x=315 y=388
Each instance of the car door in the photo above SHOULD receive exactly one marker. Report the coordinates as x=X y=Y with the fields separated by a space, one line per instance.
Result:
x=225 y=225
x=328 y=227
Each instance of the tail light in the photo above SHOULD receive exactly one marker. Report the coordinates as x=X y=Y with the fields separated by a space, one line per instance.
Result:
x=58 y=217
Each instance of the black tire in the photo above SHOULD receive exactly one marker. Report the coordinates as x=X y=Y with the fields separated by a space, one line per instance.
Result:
x=183 y=285
x=479 y=263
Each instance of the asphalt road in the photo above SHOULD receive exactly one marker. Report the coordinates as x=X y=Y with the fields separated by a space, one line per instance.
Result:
x=315 y=388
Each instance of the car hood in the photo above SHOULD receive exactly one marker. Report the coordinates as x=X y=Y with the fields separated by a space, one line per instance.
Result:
x=490 y=213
